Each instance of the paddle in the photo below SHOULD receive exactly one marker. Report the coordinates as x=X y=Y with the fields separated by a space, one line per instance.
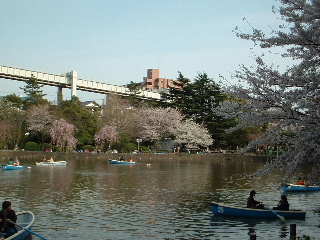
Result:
x=280 y=217
x=28 y=230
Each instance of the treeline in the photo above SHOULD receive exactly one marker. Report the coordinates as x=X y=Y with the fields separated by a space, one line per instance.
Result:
x=185 y=115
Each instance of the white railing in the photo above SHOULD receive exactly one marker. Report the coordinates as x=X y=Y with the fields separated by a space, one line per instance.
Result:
x=65 y=81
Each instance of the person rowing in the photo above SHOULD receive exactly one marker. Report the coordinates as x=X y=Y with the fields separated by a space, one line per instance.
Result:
x=252 y=203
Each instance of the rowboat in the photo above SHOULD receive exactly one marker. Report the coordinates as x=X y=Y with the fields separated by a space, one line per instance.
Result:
x=299 y=188
x=227 y=210
x=57 y=163
x=120 y=162
x=11 y=167
x=25 y=220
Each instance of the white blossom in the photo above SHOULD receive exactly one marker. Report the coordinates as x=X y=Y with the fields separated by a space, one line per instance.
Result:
x=192 y=135
x=157 y=123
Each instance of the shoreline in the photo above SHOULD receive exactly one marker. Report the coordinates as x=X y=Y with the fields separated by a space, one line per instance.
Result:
x=5 y=155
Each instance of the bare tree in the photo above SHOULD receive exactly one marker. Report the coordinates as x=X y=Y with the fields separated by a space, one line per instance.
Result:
x=5 y=133
x=12 y=117
x=120 y=113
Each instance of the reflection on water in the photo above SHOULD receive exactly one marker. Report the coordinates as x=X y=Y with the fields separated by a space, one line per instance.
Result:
x=91 y=199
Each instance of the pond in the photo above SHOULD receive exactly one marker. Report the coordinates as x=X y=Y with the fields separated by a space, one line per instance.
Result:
x=154 y=199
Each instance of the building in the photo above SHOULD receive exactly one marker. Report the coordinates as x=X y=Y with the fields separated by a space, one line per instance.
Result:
x=91 y=105
x=155 y=83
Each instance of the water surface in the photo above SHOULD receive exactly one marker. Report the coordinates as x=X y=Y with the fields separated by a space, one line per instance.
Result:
x=168 y=199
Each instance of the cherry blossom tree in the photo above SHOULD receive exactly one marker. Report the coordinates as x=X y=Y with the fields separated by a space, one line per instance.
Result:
x=106 y=134
x=156 y=123
x=39 y=121
x=193 y=135
x=61 y=133
x=288 y=98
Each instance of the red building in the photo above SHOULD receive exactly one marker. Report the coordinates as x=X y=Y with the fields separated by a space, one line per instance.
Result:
x=154 y=82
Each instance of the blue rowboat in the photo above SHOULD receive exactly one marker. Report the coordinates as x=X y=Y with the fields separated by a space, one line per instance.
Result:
x=299 y=188
x=227 y=210
x=25 y=220
x=120 y=162
x=11 y=167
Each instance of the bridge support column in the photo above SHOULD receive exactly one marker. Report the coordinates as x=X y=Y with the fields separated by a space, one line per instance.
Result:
x=74 y=79
x=59 y=96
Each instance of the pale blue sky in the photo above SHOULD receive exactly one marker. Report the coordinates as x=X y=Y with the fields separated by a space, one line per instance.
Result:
x=116 y=41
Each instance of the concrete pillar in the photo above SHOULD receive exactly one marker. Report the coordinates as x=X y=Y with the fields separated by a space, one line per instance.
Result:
x=74 y=79
x=59 y=96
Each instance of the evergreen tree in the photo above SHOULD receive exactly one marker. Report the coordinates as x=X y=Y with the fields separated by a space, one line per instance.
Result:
x=14 y=100
x=178 y=96
x=34 y=93
x=134 y=91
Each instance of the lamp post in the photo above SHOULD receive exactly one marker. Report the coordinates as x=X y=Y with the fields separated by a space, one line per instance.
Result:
x=139 y=141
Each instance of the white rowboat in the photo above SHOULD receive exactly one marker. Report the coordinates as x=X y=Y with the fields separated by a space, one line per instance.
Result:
x=58 y=163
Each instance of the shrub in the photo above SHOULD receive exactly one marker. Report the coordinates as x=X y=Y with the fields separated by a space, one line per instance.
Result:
x=88 y=147
x=144 y=149
x=32 y=146
x=47 y=146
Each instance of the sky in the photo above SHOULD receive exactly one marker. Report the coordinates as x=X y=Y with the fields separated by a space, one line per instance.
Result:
x=116 y=41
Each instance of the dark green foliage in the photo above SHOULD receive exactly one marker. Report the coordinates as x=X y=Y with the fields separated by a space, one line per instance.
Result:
x=88 y=147
x=14 y=100
x=134 y=98
x=134 y=90
x=47 y=146
x=144 y=149
x=34 y=93
x=32 y=146
x=124 y=143
x=83 y=119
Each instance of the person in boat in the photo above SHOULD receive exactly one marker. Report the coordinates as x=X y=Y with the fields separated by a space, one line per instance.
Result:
x=7 y=219
x=283 y=204
x=252 y=203
x=51 y=159
x=131 y=159
x=16 y=162
x=10 y=162
x=44 y=159
x=300 y=181
x=121 y=158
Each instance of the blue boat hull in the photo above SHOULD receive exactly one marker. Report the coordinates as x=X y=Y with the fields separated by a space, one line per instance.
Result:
x=25 y=219
x=226 y=210
x=299 y=188
x=120 y=162
x=11 y=167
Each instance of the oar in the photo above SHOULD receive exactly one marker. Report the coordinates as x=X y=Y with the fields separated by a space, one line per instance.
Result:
x=28 y=230
x=280 y=217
